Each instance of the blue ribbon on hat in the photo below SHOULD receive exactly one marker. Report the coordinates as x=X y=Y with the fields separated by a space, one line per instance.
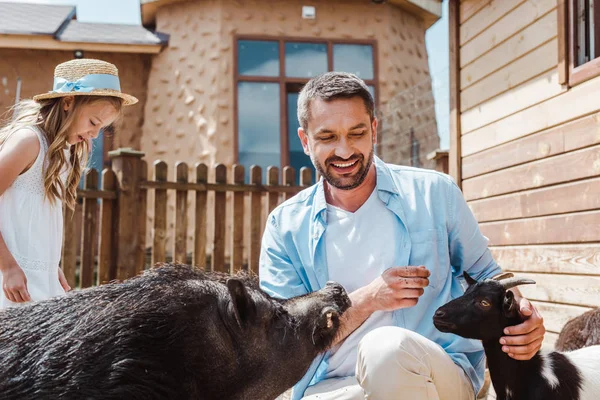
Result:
x=87 y=83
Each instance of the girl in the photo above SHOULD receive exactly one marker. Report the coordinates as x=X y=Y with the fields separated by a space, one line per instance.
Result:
x=42 y=154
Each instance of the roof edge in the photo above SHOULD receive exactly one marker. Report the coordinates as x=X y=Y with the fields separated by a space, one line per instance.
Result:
x=46 y=42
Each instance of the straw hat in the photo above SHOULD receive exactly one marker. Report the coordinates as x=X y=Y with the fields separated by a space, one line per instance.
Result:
x=86 y=77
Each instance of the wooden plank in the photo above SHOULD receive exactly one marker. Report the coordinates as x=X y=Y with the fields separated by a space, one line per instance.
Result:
x=563 y=41
x=569 y=289
x=455 y=154
x=508 y=51
x=578 y=259
x=479 y=23
x=68 y=261
x=272 y=197
x=570 y=197
x=90 y=222
x=565 y=228
x=200 y=227
x=306 y=176
x=574 y=135
x=107 y=269
x=128 y=165
x=255 y=220
x=140 y=224
x=557 y=315
x=159 y=237
x=237 y=242
x=220 y=213
x=289 y=179
x=469 y=8
x=502 y=29
x=540 y=60
x=579 y=164
x=219 y=187
x=180 y=242
x=575 y=103
x=519 y=98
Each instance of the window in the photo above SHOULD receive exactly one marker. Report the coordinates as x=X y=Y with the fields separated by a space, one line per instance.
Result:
x=269 y=75
x=579 y=40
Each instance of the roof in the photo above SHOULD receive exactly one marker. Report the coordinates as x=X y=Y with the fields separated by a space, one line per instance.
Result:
x=42 y=26
x=107 y=33
x=428 y=10
x=33 y=19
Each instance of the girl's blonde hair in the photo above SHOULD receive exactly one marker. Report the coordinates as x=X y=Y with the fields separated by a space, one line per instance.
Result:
x=49 y=117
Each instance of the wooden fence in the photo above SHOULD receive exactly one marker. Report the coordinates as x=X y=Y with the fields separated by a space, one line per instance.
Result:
x=110 y=232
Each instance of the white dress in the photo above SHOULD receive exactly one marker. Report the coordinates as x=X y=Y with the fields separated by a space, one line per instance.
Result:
x=32 y=229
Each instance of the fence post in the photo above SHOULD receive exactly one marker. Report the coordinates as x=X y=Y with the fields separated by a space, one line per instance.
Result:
x=131 y=213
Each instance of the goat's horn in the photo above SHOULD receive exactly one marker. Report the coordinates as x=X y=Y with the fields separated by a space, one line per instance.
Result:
x=504 y=275
x=512 y=282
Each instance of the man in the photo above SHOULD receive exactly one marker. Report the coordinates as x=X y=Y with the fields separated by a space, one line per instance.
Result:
x=398 y=239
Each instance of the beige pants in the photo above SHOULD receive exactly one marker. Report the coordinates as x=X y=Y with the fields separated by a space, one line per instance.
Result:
x=395 y=363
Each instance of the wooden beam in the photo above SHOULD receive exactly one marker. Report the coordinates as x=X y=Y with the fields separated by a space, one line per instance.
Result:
x=539 y=61
x=530 y=38
x=569 y=289
x=469 y=8
x=575 y=103
x=570 y=197
x=503 y=28
x=455 y=156
x=562 y=24
x=576 y=165
x=530 y=93
x=571 y=136
x=583 y=227
x=574 y=259
x=49 y=43
x=478 y=24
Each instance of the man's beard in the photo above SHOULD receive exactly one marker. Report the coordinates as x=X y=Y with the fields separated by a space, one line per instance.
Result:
x=346 y=183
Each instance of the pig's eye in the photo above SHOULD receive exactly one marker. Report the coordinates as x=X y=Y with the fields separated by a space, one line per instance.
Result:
x=484 y=303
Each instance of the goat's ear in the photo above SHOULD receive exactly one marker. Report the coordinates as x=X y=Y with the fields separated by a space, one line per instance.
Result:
x=469 y=280
x=509 y=306
x=242 y=305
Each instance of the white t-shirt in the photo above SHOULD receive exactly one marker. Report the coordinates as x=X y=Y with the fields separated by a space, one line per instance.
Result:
x=359 y=247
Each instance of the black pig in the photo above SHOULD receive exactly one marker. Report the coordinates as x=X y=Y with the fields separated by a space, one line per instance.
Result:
x=171 y=333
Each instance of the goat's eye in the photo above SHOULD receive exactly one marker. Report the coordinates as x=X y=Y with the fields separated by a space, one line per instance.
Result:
x=485 y=303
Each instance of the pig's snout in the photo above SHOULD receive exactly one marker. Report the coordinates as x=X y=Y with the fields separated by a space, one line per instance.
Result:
x=329 y=318
x=339 y=296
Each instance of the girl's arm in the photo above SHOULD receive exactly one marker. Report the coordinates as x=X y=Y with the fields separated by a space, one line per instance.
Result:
x=17 y=154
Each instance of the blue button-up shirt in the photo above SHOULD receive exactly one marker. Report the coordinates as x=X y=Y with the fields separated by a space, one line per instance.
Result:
x=436 y=229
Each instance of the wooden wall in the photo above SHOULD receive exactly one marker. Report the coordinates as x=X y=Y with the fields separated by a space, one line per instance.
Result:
x=527 y=151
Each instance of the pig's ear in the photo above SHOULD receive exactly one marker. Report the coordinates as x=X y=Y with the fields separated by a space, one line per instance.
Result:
x=241 y=302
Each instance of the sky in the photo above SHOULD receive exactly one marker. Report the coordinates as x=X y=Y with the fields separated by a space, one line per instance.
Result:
x=436 y=40
x=107 y=11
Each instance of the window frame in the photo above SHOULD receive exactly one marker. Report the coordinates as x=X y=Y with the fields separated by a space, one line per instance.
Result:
x=570 y=74
x=284 y=81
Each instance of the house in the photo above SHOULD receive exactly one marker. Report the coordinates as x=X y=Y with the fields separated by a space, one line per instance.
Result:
x=525 y=142
x=218 y=80
x=225 y=89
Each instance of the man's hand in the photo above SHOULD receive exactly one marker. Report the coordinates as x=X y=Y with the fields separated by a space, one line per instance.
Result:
x=524 y=340
x=397 y=287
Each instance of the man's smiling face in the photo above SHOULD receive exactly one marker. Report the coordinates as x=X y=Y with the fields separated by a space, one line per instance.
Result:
x=339 y=140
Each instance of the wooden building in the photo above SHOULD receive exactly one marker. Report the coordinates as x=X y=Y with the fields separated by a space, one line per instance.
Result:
x=525 y=141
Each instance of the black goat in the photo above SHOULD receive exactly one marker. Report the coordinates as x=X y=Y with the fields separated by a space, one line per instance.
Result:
x=581 y=331
x=486 y=308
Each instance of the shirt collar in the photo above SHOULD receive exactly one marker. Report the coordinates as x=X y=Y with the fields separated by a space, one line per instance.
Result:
x=384 y=183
